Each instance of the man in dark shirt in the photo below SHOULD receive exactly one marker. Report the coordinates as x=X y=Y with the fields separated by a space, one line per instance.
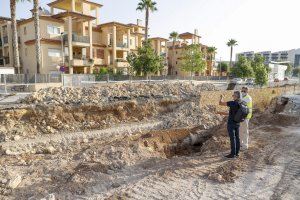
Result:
x=232 y=126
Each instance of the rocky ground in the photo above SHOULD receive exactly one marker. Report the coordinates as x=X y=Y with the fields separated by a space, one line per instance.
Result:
x=134 y=145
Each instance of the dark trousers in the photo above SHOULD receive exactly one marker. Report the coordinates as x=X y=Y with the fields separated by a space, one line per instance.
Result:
x=234 y=134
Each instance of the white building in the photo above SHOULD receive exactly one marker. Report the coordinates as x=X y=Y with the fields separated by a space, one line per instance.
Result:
x=291 y=56
x=277 y=71
x=248 y=54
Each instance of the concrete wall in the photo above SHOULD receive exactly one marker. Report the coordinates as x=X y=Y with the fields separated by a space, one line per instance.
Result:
x=261 y=97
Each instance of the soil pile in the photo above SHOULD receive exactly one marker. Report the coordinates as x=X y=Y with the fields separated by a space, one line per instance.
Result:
x=115 y=92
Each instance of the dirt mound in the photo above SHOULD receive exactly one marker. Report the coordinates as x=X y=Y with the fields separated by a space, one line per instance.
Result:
x=116 y=92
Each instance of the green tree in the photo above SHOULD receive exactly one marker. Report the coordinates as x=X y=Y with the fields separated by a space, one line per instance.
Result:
x=231 y=43
x=147 y=5
x=173 y=36
x=243 y=68
x=296 y=71
x=261 y=71
x=289 y=69
x=223 y=66
x=15 y=43
x=193 y=59
x=261 y=76
x=146 y=60
x=211 y=51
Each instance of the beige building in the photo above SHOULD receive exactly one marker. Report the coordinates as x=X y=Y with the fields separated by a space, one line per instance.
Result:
x=71 y=36
x=160 y=47
x=5 y=44
x=175 y=55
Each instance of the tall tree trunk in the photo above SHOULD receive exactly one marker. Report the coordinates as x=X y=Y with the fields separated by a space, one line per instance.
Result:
x=147 y=23
x=173 y=57
x=15 y=44
x=230 y=64
x=37 y=35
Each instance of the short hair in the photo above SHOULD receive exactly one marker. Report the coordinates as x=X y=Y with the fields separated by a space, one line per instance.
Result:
x=237 y=94
x=245 y=87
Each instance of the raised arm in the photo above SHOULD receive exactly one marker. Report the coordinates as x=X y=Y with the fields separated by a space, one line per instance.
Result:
x=222 y=102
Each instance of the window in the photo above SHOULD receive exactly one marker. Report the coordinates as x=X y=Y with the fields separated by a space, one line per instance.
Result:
x=53 y=30
x=54 y=53
x=100 y=53
x=130 y=41
x=25 y=30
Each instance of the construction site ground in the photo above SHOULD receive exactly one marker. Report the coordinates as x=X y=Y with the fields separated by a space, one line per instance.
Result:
x=148 y=157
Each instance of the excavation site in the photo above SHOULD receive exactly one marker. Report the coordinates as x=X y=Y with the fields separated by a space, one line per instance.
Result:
x=147 y=141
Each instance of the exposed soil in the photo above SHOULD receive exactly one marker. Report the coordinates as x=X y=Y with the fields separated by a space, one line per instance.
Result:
x=175 y=162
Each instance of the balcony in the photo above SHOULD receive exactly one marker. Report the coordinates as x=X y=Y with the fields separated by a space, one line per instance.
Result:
x=122 y=45
x=78 y=39
x=121 y=63
x=80 y=61
x=5 y=40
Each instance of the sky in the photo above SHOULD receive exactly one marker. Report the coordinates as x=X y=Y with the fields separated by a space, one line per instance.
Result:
x=257 y=25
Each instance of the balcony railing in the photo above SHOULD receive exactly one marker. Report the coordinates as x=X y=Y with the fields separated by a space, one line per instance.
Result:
x=122 y=45
x=0 y=43
x=1 y=61
x=5 y=40
x=77 y=38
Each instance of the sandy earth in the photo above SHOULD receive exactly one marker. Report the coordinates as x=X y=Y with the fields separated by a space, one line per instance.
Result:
x=164 y=164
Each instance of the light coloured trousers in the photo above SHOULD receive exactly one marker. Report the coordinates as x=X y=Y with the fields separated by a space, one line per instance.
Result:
x=244 y=134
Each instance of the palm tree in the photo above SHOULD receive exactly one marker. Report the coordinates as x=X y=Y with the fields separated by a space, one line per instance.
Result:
x=231 y=43
x=37 y=34
x=211 y=51
x=173 y=36
x=147 y=5
x=15 y=34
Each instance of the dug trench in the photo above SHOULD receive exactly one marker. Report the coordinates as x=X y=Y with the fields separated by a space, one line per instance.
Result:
x=108 y=168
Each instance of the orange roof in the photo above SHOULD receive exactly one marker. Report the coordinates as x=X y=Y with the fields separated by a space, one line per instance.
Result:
x=158 y=38
x=188 y=35
x=86 y=1
x=74 y=14
x=114 y=24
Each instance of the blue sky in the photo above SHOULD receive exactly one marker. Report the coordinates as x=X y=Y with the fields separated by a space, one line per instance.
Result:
x=257 y=25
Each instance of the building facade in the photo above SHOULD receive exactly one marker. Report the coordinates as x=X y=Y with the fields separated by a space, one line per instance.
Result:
x=289 y=56
x=72 y=40
x=175 y=55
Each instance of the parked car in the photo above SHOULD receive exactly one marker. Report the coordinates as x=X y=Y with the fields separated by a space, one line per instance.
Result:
x=237 y=81
x=250 y=81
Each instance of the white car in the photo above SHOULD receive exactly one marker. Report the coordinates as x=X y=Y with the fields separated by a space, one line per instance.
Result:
x=237 y=81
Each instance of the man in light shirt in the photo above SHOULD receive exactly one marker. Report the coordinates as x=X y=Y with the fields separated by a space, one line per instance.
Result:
x=244 y=129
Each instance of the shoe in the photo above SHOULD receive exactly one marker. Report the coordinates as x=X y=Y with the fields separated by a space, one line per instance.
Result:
x=237 y=155
x=230 y=156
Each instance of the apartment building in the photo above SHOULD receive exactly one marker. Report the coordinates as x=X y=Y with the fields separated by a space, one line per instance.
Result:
x=160 y=47
x=175 y=55
x=72 y=40
x=5 y=44
x=289 y=56
x=247 y=54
